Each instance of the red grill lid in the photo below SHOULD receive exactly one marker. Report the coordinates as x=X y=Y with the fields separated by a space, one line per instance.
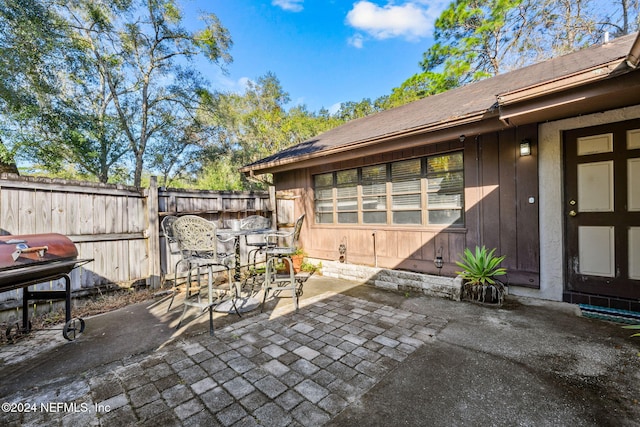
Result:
x=31 y=249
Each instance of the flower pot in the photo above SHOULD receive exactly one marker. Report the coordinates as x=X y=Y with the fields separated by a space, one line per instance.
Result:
x=297 y=263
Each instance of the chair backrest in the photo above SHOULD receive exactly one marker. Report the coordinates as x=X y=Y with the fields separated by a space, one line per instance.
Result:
x=167 y=228
x=297 y=229
x=195 y=234
x=255 y=222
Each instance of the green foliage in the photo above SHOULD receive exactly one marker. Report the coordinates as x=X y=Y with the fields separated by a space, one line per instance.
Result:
x=354 y=110
x=419 y=86
x=310 y=267
x=255 y=124
x=472 y=37
x=116 y=94
x=633 y=327
x=476 y=39
x=219 y=175
x=107 y=89
x=480 y=267
x=479 y=272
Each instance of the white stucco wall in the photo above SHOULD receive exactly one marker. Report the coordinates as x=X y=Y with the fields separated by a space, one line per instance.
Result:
x=551 y=182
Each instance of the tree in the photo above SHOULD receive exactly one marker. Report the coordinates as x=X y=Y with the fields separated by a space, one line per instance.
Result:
x=31 y=39
x=249 y=126
x=129 y=92
x=417 y=87
x=472 y=38
x=621 y=19
x=476 y=39
x=354 y=110
x=152 y=93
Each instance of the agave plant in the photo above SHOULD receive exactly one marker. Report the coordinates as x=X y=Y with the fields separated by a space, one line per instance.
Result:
x=479 y=271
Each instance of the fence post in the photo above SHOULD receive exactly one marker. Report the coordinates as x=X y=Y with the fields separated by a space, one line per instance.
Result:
x=274 y=206
x=153 y=234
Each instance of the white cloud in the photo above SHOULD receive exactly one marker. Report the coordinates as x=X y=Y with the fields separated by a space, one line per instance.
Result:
x=243 y=83
x=356 y=41
x=290 y=5
x=223 y=83
x=335 y=108
x=412 y=20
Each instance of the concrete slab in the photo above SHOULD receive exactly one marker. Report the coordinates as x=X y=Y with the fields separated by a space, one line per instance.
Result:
x=352 y=354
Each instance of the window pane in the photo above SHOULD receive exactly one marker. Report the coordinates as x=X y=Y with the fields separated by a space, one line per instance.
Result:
x=445 y=217
x=374 y=217
x=452 y=181
x=324 y=180
x=406 y=186
x=445 y=187
x=360 y=194
x=374 y=203
x=407 y=217
x=348 y=177
x=402 y=171
x=373 y=174
x=326 y=193
x=348 y=218
x=437 y=200
x=348 y=204
x=324 y=218
x=324 y=205
x=371 y=189
x=347 y=191
x=406 y=201
x=447 y=162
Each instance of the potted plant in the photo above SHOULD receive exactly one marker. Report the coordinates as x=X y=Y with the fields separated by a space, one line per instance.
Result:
x=297 y=258
x=479 y=274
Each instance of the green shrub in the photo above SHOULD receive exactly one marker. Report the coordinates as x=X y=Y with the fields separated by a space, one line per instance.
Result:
x=479 y=272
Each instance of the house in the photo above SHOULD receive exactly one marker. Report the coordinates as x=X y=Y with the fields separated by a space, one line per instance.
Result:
x=541 y=163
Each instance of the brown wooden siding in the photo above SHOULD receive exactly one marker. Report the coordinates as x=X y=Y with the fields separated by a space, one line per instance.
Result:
x=502 y=184
x=498 y=214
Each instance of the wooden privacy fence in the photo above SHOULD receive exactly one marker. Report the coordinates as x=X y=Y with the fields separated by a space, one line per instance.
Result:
x=115 y=225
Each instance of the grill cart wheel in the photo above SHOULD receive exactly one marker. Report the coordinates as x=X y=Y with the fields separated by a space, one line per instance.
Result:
x=73 y=328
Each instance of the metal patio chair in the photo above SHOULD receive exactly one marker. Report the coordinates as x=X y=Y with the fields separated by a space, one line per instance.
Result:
x=170 y=238
x=197 y=239
x=255 y=243
x=283 y=246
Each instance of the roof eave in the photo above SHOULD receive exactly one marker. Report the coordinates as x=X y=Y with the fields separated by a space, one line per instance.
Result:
x=578 y=93
x=633 y=58
x=563 y=83
x=283 y=164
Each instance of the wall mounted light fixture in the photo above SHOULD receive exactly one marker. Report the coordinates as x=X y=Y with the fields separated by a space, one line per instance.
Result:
x=438 y=261
x=525 y=148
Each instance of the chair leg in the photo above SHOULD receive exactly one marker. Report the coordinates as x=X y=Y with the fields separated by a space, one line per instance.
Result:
x=252 y=252
x=233 y=288
x=266 y=285
x=210 y=297
x=184 y=311
x=292 y=283
x=175 y=284
x=211 y=321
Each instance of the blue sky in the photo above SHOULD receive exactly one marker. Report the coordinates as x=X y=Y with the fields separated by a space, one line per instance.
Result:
x=323 y=51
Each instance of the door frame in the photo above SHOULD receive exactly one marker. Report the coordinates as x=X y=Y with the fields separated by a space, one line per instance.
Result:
x=620 y=285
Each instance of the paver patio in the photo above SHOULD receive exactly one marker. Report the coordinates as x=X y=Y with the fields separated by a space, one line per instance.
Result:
x=279 y=368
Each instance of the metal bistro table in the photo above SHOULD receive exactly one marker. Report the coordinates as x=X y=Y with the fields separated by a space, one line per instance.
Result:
x=243 y=303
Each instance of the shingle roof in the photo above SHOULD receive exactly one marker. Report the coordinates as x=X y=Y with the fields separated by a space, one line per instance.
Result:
x=472 y=99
